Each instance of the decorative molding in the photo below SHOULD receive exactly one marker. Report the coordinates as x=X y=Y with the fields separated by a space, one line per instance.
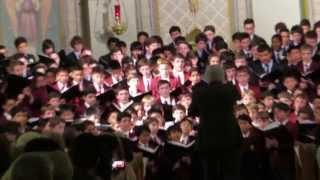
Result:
x=63 y=27
x=139 y=21
x=216 y=12
x=235 y=14
x=154 y=16
x=249 y=8
x=304 y=6
x=85 y=20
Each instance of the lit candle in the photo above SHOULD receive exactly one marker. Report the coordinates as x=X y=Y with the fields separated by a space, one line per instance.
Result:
x=117 y=12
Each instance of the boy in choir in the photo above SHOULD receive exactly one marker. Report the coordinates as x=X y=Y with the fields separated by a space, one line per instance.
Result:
x=147 y=102
x=290 y=82
x=276 y=47
x=54 y=100
x=48 y=47
x=67 y=113
x=240 y=60
x=157 y=113
x=117 y=55
x=185 y=100
x=245 y=45
x=7 y=105
x=132 y=82
x=151 y=44
x=210 y=32
x=112 y=43
x=305 y=25
x=230 y=71
x=307 y=65
x=125 y=125
x=236 y=45
x=184 y=48
x=73 y=57
x=285 y=40
x=169 y=53
x=306 y=145
x=254 y=157
x=136 y=50
x=77 y=76
x=187 y=132
x=293 y=57
x=165 y=98
x=138 y=108
x=310 y=39
x=142 y=37
x=89 y=100
x=15 y=80
x=116 y=73
x=164 y=74
x=178 y=154
x=98 y=81
x=157 y=135
x=243 y=85
x=201 y=45
x=178 y=69
x=174 y=32
x=124 y=49
x=296 y=35
x=149 y=151
x=21 y=44
x=178 y=114
x=122 y=101
x=263 y=120
x=88 y=64
x=144 y=84
x=249 y=27
x=62 y=81
x=268 y=100
x=280 y=143
x=50 y=57
x=195 y=78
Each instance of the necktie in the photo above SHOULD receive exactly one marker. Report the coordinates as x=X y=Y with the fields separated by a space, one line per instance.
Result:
x=244 y=89
x=166 y=102
x=62 y=88
x=306 y=68
x=148 y=86
x=278 y=55
x=267 y=68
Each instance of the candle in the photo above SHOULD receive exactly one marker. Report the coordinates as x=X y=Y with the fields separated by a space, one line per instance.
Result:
x=117 y=12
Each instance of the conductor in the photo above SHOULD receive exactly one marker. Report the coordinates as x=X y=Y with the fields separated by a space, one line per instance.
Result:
x=219 y=137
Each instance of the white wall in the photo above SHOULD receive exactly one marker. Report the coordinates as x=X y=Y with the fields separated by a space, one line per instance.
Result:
x=267 y=13
x=97 y=9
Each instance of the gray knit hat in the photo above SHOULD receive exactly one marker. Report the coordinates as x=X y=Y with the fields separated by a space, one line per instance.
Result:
x=214 y=73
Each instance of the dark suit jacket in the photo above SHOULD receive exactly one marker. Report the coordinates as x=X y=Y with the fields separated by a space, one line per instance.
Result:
x=202 y=60
x=70 y=61
x=104 y=60
x=313 y=67
x=254 y=157
x=218 y=127
x=258 y=69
